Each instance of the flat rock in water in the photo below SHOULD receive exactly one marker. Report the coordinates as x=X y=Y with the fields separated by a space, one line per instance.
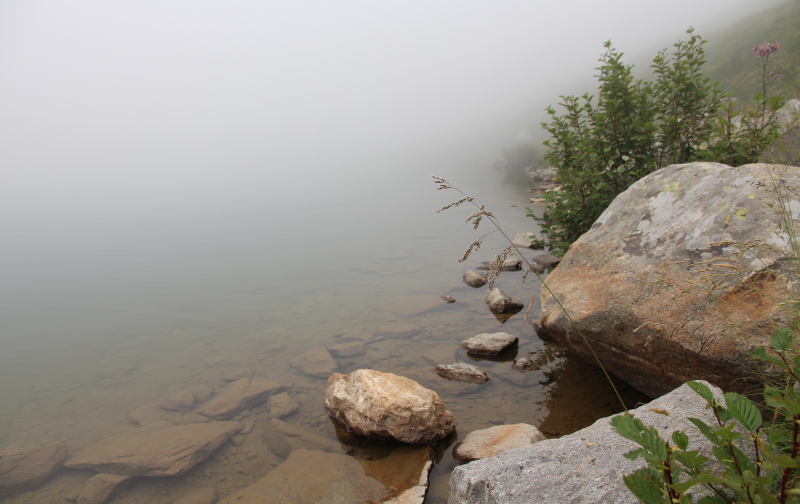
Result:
x=148 y=414
x=317 y=363
x=102 y=487
x=201 y=393
x=384 y=405
x=410 y=306
x=485 y=443
x=462 y=372
x=182 y=401
x=349 y=349
x=281 y=405
x=500 y=302
x=238 y=396
x=167 y=452
x=297 y=437
x=236 y=373
x=24 y=468
x=190 y=419
x=199 y=496
x=475 y=279
x=546 y=259
x=362 y=337
x=488 y=344
x=399 y=330
x=313 y=476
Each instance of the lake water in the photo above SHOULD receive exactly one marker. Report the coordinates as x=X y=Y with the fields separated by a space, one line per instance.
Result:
x=116 y=297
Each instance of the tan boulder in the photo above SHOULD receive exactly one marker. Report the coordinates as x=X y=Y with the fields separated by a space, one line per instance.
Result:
x=475 y=279
x=384 y=405
x=102 y=487
x=485 y=443
x=317 y=362
x=23 y=468
x=168 y=451
x=238 y=396
x=654 y=285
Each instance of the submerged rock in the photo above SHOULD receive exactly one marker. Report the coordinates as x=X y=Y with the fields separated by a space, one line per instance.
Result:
x=238 y=396
x=462 y=372
x=384 y=405
x=313 y=476
x=546 y=259
x=182 y=401
x=199 y=496
x=488 y=344
x=102 y=487
x=24 y=468
x=317 y=363
x=147 y=452
x=399 y=330
x=411 y=306
x=485 y=443
x=281 y=405
x=475 y=279
x=237 y=373
x=500 y=302
x=348 y=349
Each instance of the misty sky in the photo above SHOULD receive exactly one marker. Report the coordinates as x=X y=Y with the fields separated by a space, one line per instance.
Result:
x=123 y=99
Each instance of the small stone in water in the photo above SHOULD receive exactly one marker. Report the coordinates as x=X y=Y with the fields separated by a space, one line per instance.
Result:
x=462 y=372
x=524 y=364
x=448 y=299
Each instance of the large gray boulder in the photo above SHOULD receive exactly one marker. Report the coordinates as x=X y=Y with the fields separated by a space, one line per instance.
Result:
x=637 y=284
x=585 y=467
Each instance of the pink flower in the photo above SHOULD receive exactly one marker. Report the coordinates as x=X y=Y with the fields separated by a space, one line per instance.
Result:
x=765 y=49
x=775 y=77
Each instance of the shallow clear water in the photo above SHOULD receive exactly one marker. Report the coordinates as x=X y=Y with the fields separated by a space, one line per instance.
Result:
x=110 y=306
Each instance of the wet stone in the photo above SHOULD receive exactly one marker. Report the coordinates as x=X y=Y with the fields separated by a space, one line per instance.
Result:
x=475 y=279
x=488 y=344
x=410 y=306
x=200 y=496
x=349 y=349
x=23 y=468
x=169 y=451
x=102 y=487
x=326 y=478
x=399 y=330
x=362 y=337
x=523 y=365
x=493 y=441
x=500 y=302
x=281 y=405
x=317 y=363
x=190 y=419
x=448 y=299
x=182 y=401
x=237 y=373
x=238 y=396
x=462 y=372
x=546 y=259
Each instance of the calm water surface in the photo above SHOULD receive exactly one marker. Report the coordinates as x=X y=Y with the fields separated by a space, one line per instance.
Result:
x=111 y=305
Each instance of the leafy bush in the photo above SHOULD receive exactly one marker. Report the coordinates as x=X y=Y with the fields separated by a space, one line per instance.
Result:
x=637 y=127
x=763 y=477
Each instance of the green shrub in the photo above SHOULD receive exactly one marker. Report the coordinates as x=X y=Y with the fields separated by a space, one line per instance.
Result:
x=637 y=127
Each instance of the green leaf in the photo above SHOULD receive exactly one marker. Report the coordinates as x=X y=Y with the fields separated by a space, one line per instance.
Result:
x=781 y=339
x=744 y=411
x=681 y=439
x=785 y=461
x=706 y=430
x=629 y=427
x=702 y=390
x=633 y=454
x=643 y=488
